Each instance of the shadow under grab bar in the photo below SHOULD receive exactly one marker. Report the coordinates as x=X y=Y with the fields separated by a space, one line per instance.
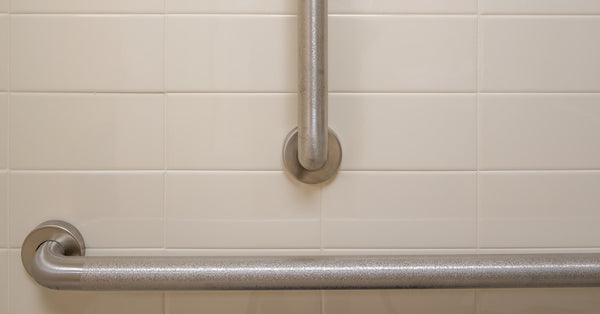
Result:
x=53 y=254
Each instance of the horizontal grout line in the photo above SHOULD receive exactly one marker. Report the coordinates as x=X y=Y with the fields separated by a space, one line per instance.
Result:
x=357 y=251
x=292 y=14
x=294 y=93
x=66 y=171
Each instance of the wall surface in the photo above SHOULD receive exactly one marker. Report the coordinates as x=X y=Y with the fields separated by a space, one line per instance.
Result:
x=156 y=127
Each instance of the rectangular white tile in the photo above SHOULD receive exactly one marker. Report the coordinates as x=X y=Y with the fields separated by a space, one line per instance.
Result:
x=557 y=131
x=540 y=54
x=4 y=29
x=86 y=131
x=548 y=209
x=258 y=53
x=228 y=131
x=86 y=53
x=540 y=6
x=241 y=210
x=110 y=209
x=335 y=6
x=405 y=131
x=3 y=211
x=4 y=286
x=3 y=130
x=402 y=53
x=231 y=53
x=88 y=6
x=234 y=302
x=400 y=210
x=538 y=301
x=4 y=5
x=400 y=301
x=41 y=300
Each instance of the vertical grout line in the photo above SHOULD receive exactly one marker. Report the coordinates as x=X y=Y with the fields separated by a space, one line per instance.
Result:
x=164 y=294
x=477 y=78
x=8 y=105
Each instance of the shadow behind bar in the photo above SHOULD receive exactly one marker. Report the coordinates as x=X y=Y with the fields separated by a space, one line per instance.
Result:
x=50 y=266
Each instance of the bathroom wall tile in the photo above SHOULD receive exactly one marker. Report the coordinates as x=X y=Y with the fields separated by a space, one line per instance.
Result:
x=335 y=6
x=539 y=54
x=3 y=210
x=3 y=130
x=4 y=22
x=4 y=5
x=538 y=301
x=400 y=210
x=88 y=6
x=4 y=287
x=86 y=131
x=233 y=302
x=365 y=57
x=228 y=131
x=400 y=301
x=555 y=131
x=231 y=53
x=548 y=209
x=41 y=300
x=241 y=210
x=540 y=6
x=405 y=131
x=258 y=53
x=86 y=53
x=111 y=209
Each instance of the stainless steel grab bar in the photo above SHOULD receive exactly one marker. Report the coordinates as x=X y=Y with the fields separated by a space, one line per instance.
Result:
x=312 y=153
x=53 y=255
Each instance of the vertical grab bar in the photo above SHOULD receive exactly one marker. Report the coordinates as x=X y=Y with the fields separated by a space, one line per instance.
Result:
x=312 y=152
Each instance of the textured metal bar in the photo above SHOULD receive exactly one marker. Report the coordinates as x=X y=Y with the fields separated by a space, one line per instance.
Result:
x=51 y=268
x=312 y=84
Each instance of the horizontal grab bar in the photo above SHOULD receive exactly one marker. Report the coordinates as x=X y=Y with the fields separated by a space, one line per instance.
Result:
x=53 y=255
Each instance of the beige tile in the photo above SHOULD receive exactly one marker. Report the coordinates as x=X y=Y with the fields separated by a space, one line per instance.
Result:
x=548 y=209
x=4 y=5
x=233 y=302
x=228 y=131
x=539 y=54
x=539 y=131
x=4 y=282
x=231 y=53
x=88 y=6
x=241 y=210
x=3 y=211
x=365 y=57
x=4 y=29
x=405 y=131
x=540 y=6
x=258 y=53
x=85 y=131
x=86 y=53
x=335 y=6
x=3 y=130
x=28 y=297
x=110 y=209
x=400 y=301
x=538 y=301
x=400 y=210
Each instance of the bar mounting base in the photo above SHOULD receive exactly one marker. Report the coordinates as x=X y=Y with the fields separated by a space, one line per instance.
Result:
x=53 y=230
x=293 y=166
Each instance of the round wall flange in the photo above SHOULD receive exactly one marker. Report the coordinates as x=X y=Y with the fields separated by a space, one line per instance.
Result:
x=53 y=230
x=293 y=166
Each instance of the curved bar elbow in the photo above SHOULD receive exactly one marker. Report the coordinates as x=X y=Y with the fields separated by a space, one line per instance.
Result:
x=51 y=269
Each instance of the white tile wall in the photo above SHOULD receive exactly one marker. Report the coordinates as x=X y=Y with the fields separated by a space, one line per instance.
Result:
x=466 y=126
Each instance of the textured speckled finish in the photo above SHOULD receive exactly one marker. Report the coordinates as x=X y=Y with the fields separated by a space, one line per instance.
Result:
x=51 y=268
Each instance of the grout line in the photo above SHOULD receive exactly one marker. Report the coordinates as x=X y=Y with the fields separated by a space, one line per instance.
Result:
x=281 y=14
x=230 y=171
x=8 y=167
x=477 y=121
x=268 y=93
